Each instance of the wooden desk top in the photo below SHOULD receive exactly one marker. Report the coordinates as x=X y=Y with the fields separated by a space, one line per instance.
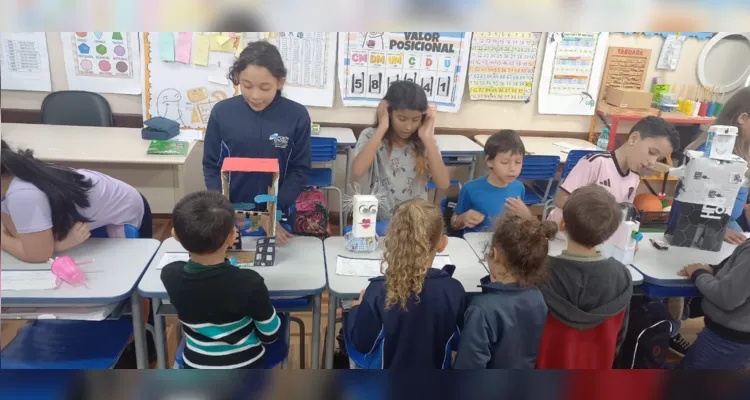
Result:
x=57 y=143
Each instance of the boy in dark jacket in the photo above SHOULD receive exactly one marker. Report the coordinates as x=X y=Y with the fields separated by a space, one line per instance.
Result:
x=584 y=288
x=503 y=326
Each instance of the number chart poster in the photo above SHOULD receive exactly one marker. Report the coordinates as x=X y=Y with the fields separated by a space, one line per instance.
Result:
x=185 y=74
x=502 y=65
x=370 y=61
x=104 y=62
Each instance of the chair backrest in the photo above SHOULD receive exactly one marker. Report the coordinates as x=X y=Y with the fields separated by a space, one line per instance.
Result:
x=131 y=232
x=323 y=149
x=573 y=157
x=539 y=167
x=77 y=108
x=563 y=347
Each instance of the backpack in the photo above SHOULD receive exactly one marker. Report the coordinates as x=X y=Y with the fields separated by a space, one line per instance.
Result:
x=312 y=218
x=646 y=344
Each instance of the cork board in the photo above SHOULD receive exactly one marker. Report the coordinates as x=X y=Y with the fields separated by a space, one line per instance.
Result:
x=625 y=68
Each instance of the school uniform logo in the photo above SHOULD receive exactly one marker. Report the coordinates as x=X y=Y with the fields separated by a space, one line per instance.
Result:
x=280 y=142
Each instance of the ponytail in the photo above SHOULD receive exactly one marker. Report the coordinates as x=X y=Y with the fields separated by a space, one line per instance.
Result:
x=66 y=189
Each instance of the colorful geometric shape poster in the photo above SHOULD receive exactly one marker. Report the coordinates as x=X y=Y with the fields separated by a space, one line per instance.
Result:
x=104 y=62
x=502 y=65
x=370 y=61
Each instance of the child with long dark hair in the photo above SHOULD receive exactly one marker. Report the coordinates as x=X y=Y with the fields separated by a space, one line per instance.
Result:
x=48 y=208
x=399 y=153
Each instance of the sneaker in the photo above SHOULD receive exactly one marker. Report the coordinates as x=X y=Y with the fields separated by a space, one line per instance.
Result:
x=678 y=345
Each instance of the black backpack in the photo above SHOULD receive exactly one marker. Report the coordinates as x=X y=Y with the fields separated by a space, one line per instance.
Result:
x=646 y=344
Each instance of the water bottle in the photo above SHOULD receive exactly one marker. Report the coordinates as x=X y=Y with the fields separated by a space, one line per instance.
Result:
x=603 y=142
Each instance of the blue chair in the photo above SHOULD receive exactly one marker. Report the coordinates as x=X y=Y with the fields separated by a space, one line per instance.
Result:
x=276 y=352
x=58 y=344
x=573 y=157
x=538 y=168
x=324 y=150
x=374 y=359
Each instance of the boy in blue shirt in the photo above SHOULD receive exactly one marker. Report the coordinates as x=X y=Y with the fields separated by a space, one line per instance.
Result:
x=484 y=199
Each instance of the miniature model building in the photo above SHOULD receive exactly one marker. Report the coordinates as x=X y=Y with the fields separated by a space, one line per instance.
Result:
x=247 y=218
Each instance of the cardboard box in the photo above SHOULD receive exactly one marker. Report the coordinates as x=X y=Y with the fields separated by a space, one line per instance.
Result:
x=628 y=98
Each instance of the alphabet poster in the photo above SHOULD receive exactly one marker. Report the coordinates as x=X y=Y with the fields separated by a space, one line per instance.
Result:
x=310 y=61
x=104 y=62
x=370 y=61
x=186 y=74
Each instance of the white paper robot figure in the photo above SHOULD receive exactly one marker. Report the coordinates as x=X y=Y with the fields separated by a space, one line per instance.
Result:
x=365 y=216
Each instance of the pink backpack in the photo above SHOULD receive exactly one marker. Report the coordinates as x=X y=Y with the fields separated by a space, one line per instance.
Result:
x=312 y=214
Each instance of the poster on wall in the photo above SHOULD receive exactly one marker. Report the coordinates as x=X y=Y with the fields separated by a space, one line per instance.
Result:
x=185 y=74
x=103 y=62
x=370 y=61
x=310 y=61
x=502 y=65
x=572 y=72
x=24 y=61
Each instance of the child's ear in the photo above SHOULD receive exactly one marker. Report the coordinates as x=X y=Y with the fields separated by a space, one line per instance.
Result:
x=174 y=235
x=230 y=239
x=488 y=162
x=634 y=137
x=443 y=244
x=561 y=225
x=743 y=118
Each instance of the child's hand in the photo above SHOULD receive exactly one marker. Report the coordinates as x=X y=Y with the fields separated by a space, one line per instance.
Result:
x=690 y=269
x=358 y=301
x=734 y=237
x=384 y=119
x=427 y=129
x=282 y=236
x=516 y=206
x=471 y=218
x=78 y=234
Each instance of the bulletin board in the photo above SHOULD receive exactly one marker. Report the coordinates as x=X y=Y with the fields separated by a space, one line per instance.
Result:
x=572 y=72
x=626 y=68
x=185 y=74
x=370 y=61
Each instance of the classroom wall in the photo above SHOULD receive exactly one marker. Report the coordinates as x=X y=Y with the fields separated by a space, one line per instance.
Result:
x=729 y=56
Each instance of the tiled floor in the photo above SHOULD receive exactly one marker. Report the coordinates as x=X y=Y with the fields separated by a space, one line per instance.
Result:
x=162 y=229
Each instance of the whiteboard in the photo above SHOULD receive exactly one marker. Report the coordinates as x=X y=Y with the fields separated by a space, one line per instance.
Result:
x=310 y=61
x=184 y=92
x=554 y=99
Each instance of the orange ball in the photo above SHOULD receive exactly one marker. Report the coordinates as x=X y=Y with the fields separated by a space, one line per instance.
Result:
x=648 y=202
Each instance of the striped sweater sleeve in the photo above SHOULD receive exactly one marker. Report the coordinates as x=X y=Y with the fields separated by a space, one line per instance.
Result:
x=261 y=310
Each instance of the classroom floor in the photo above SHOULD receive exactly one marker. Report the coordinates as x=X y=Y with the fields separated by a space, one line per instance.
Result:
x=162 y=229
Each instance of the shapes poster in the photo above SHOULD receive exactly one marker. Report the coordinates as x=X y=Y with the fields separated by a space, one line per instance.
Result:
x=24 y=61
x=572 y=72
x=502 y=65
x=185 y=74
x=370 y=61
x=104 y=62
x=310 y=61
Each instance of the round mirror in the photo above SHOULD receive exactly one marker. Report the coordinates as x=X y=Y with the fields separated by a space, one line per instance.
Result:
x=724 y=63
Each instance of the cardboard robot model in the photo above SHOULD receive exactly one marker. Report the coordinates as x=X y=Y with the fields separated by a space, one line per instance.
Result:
x=265 y=250
x=621 y=245
x=709 y=182
x=363 y=236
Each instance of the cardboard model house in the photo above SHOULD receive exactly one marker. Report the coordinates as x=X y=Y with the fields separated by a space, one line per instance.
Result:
x=247 y=217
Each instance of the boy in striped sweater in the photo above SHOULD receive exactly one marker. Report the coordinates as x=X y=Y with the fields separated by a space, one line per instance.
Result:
x=226 y=312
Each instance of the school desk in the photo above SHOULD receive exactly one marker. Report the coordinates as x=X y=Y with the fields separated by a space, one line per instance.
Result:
x=118 y=152
x=660 y=267
x=116 y=266
x=459 y=150
x=299 y=271
x=478 y=242
x=469 y=271
x=545 y=146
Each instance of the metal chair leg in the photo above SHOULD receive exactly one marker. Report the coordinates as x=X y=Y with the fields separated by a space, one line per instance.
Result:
x=302 y=352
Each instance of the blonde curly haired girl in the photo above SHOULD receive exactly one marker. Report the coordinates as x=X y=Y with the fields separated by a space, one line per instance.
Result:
x=408 y=317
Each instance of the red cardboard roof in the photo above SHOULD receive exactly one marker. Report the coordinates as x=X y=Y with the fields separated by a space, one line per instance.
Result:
x=239 y=164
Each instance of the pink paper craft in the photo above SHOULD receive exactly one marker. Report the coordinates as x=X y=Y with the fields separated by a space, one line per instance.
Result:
x=66 y=269
x=184 y=47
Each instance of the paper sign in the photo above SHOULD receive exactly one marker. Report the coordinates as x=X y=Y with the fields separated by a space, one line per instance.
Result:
x=166 y=46
x=368 y=267
x=222 y=43
x=184 y=46
x=202 y=45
